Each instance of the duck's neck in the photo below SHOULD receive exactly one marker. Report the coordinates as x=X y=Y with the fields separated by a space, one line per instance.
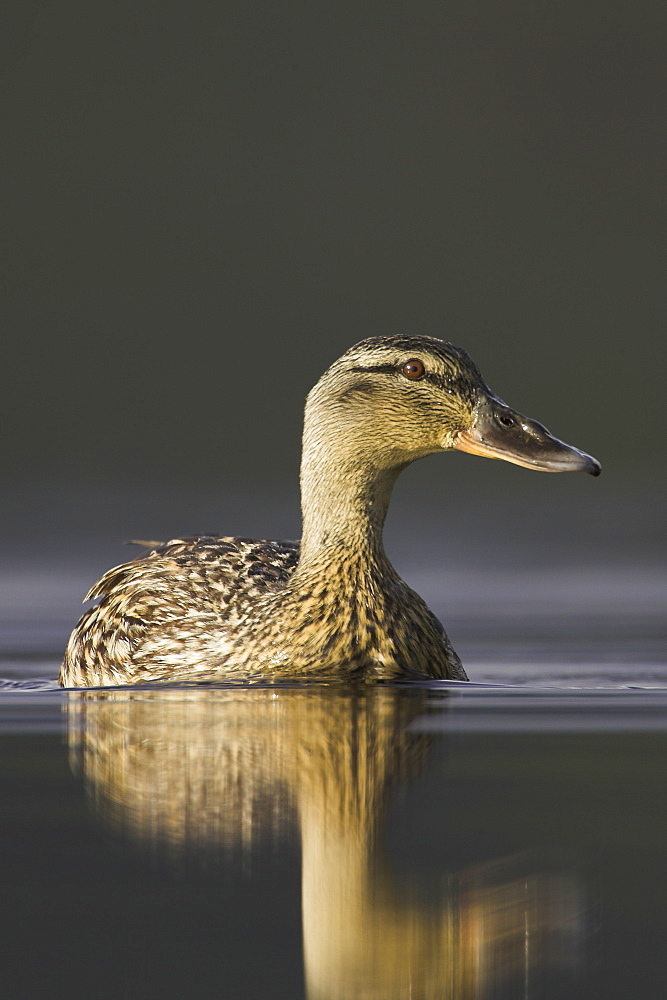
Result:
x=344 y=502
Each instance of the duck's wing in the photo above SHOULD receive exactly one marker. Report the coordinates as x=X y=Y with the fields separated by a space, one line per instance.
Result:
x=181 y=591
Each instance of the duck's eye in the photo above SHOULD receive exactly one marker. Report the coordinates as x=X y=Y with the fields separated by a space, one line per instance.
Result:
x=414 y=369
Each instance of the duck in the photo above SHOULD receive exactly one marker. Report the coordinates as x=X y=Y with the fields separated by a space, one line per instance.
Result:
x=332 y=607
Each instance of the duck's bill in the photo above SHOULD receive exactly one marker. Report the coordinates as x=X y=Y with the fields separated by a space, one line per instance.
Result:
x=500 y=432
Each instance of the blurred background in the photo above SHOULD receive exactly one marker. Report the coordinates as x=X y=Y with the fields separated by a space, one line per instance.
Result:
x=207 y=203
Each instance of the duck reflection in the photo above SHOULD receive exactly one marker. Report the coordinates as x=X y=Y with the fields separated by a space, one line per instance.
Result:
x=187 y=770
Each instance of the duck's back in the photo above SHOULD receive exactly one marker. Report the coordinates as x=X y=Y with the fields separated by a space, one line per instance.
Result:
x=163 y=607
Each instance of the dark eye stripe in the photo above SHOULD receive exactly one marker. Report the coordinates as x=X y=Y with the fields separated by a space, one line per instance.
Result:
x=384 y=369
x=446 y=382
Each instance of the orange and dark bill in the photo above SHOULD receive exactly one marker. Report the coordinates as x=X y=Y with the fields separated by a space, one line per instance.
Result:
x=500 y=432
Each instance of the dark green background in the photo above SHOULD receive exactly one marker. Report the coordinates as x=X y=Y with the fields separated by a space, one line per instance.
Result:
x=208 y=202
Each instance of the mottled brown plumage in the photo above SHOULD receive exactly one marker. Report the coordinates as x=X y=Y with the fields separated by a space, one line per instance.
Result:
x=209 y=608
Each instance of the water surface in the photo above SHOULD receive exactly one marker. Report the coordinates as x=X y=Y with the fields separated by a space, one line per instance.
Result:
x=394 y=841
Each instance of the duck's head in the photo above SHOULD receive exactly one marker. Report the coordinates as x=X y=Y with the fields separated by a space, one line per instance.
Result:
x=391 y=400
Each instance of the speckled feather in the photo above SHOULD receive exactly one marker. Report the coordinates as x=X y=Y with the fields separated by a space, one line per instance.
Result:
x=168 y=604
x=205 y=607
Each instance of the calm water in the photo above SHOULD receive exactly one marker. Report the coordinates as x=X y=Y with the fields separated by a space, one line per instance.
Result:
x=503 y=839
x=395 y=842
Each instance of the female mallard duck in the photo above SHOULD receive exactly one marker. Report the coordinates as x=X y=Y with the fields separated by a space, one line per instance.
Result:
x=217 y=608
